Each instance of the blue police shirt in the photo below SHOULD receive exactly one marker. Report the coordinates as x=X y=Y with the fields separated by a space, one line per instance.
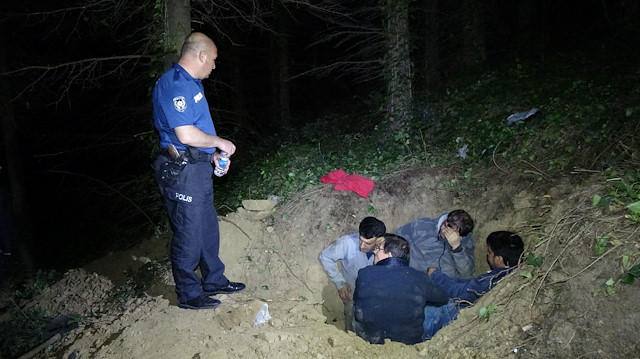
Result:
x=178 y=100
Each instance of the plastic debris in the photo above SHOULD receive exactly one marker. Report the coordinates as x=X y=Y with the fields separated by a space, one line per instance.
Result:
x=273 y=197
x=262 y=316
x=521 y=116
x=462 y=151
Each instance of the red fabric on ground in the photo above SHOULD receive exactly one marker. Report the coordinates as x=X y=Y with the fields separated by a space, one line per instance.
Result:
x=341 y=181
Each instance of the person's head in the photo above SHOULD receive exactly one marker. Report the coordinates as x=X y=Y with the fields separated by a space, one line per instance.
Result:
x=504 y=249
x=371 y=232
x=460 y=221
x=198 y=55
x=392 y=246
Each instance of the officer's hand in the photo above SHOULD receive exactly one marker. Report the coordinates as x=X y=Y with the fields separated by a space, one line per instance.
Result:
x=344 y=292
x=226 y=146
x=452 y=236
x=430 y=270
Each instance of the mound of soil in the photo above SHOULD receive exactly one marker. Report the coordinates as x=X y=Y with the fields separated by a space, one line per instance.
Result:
x=541 y=312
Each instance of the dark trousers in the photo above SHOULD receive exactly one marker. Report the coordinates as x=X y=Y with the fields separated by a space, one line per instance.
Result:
x=196 y=236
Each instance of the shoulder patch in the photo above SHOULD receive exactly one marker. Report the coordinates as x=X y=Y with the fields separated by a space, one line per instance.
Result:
x=179 y=103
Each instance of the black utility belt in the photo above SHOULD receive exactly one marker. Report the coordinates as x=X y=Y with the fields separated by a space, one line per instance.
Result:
x=192 y=154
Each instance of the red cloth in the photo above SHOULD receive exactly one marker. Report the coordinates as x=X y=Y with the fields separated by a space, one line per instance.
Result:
x=360 y=185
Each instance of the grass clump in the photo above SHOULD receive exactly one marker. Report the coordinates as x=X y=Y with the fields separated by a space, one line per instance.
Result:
x=22 y=332
x=33 y=285
x=139 y=280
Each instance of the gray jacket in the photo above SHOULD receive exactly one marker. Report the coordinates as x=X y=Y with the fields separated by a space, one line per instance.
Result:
x=345 y=249
x=429 y=249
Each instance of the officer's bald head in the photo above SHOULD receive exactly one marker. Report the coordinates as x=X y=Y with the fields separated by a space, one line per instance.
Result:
x=195 y=43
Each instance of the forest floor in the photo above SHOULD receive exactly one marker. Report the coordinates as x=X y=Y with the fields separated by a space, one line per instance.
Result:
x=561 y=309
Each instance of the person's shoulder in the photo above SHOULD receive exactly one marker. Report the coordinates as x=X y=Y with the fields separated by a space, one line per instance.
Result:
x=497 y=273
x=422 y=221
x=349 y=238
x=369 y=271
x=345 y=243
x=172 y=79
x=418 y=273
x=413 y=225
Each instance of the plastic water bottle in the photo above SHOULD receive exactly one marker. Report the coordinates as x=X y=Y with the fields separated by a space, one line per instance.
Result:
x=222 y=164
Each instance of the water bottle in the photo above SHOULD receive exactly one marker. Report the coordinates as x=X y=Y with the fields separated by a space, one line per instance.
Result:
x=222 y=164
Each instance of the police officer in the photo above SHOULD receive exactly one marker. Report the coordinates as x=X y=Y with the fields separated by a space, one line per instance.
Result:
x=181 y=116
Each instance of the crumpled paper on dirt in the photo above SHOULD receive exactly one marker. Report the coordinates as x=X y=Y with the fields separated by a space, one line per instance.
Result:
x=263 y=316
x=343 y=182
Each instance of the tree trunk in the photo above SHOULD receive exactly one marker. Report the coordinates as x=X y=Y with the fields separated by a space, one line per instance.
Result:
x=432 y=49
x=177 y=25
x=397 y=63
x=15 y=172
x=474 y=50
x=280 y=93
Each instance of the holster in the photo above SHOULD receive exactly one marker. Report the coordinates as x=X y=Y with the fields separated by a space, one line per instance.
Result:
x=170 y=170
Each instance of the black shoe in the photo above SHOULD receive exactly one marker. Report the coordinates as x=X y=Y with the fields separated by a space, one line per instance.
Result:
x=202 y=302
x=230 y=287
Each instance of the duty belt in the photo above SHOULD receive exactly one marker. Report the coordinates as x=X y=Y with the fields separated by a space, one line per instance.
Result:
x=193 y=154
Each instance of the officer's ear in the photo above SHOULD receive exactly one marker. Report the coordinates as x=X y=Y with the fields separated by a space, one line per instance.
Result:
x=499 y=261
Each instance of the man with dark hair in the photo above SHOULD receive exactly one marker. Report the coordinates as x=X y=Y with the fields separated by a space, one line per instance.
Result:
x=390 y=296
x=189 y=144
x=445 y=243
x=354 y=251
x=504 y=250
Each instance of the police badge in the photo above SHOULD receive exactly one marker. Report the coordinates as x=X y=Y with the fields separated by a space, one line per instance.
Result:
x=179 y=103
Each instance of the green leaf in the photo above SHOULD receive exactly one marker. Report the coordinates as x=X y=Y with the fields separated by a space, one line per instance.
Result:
x=634 y=207
x=535 y=261
x=599 y=250
x=610 y=282
x=611 y=290
x=635 y=270
x=627 y=279
x=482 y=312
x=596 y=200
x=526 y=274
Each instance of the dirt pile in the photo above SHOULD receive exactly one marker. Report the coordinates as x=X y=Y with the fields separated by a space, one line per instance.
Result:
x=540 y=312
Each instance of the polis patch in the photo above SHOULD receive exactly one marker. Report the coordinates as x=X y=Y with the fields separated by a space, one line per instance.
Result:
x=179 y=103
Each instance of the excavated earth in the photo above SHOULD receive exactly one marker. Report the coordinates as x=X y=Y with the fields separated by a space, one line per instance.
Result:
x=562 y=310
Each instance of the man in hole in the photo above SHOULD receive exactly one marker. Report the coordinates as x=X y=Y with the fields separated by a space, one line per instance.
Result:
x=445 y=243
x=504 y=250
x=390 y=297
x=354 y=252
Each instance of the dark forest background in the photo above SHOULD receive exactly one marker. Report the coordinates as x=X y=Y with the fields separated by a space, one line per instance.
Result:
x=77 y=131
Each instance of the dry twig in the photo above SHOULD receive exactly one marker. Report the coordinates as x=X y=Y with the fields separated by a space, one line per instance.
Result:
x=493 y=157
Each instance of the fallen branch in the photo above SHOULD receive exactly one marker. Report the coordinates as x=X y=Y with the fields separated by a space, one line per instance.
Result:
x=31 y=353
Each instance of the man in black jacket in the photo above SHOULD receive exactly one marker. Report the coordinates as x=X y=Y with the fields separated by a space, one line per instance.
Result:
x=390 y=296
